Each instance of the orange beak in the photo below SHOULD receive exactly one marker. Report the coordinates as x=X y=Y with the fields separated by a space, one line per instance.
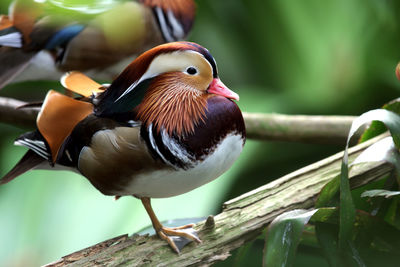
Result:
x=218 y=88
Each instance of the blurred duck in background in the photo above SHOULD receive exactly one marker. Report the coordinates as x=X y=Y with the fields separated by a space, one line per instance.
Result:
x=43 y=39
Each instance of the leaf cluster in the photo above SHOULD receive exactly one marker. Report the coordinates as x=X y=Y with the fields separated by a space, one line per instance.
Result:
x=359 y=227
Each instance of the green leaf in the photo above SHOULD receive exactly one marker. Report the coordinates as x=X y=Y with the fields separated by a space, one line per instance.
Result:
x=327 y=238
x=326 y=215
x=392 y=215
x=326 y=222
x=376 y=128
x=372 y=239
x=242 y=255
x=383 y=150
x=389 y=118
x=393 y=105
x=347 y=209
x=308 y=237
x=283 y=237
x=375 y=240
x=328 y=192
x=380 y=193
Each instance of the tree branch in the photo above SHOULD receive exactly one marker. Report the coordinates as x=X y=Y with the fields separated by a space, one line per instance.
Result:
x=10 y=113
x=273 y=127
x=298 y=128
x=242 y=220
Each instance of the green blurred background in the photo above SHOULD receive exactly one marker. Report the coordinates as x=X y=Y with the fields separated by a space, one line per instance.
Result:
x=283 y=56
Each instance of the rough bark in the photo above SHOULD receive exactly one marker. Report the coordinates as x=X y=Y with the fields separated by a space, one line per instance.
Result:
x=242 y=219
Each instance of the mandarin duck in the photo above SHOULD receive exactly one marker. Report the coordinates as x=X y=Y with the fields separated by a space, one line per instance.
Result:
x=166 y=125
x=46 y=40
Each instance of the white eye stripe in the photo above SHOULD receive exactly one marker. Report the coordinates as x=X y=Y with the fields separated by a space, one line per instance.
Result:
x=166 y=63
x=133 y=85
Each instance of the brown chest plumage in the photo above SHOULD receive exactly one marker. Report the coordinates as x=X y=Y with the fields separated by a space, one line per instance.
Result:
x=114 y=157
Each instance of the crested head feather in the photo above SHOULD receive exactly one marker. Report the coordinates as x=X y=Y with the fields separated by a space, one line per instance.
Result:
x=129 y=80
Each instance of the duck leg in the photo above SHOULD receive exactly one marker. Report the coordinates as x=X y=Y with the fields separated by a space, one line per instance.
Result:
x=167 y=233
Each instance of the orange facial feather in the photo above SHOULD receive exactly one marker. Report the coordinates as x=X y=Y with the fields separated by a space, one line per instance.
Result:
x=173 y=105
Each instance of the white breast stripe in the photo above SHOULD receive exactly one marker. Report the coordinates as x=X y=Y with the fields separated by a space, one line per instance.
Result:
x=11 y=40
x=163 y=24
x=154 y=145
x=175 y=149
x=177 y=28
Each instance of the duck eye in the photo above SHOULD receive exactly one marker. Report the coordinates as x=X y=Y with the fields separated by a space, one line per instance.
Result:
x=191 y=70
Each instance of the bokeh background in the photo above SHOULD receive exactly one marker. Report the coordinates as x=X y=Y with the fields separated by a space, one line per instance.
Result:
x=282 y=56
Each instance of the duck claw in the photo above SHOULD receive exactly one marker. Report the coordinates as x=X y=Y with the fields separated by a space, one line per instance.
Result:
x=179 y=237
